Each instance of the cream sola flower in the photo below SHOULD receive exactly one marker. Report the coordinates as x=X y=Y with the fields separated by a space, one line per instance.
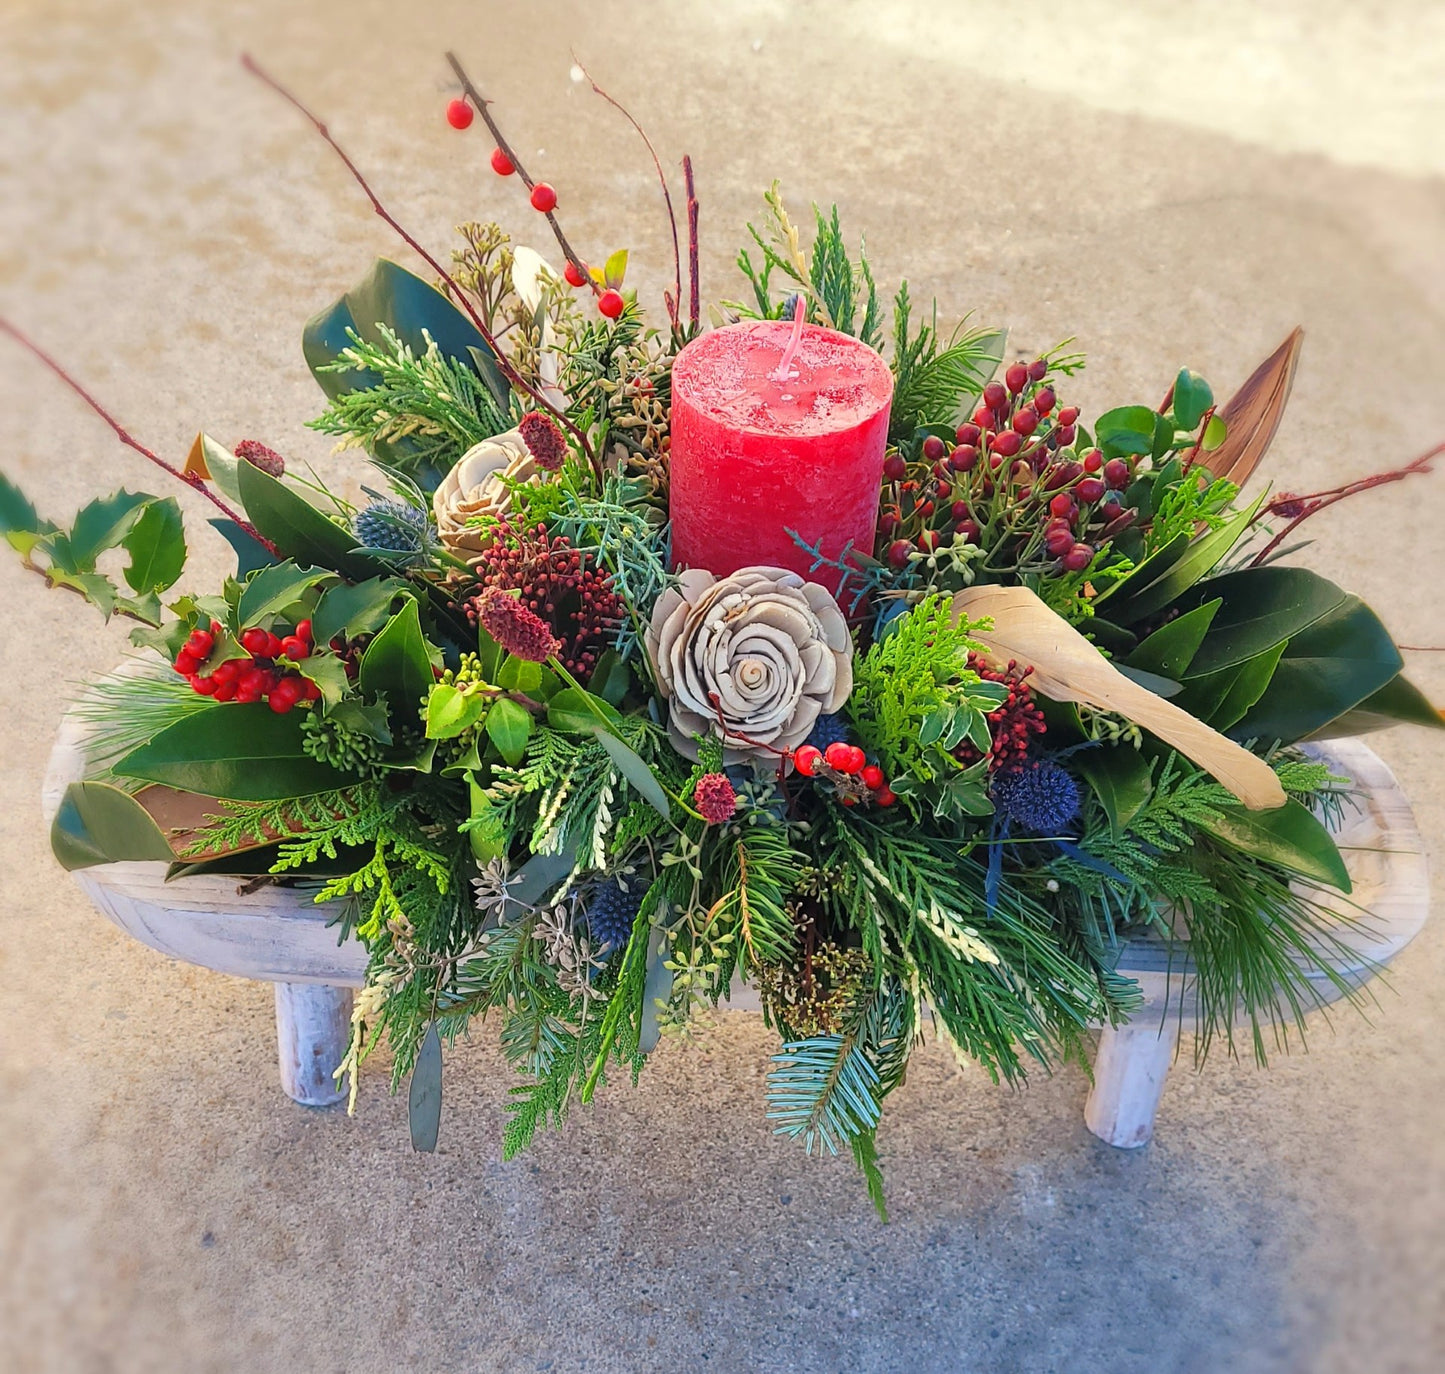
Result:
x=478 y=490
x=755 y=658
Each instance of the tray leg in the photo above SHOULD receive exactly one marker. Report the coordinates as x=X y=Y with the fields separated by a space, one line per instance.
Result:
x=313 y=1025
x=1129 y=1073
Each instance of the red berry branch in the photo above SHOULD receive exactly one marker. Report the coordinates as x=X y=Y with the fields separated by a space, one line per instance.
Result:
x=675 y=297
x=543 y=197
x=693 y=301
x=194 y=482
x=510 y=372
x=1298 y=509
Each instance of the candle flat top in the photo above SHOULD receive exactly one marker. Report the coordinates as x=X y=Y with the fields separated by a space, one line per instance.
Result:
x=834 y=382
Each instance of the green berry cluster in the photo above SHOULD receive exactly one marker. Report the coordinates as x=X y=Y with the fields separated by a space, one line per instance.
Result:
x=328 y=740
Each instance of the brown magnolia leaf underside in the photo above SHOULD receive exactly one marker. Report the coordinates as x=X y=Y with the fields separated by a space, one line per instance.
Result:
x=1252 y=415
x=1066 y=667
x=181 y=816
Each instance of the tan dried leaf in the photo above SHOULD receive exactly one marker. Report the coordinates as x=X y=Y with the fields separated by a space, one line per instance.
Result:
x=1068 y=668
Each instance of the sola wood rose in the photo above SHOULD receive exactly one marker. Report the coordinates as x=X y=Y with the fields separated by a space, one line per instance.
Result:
x=480 y=485
x=755 y=657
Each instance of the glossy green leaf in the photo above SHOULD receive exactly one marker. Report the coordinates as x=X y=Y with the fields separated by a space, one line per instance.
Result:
x=273 y=590
x=392 y=296
x=611 y=677
x=397 y=664
x=19 y=521
x=1215 y=433
x=519 y=675
x=359 y=609
x=1198 y=560
x=509 y=727
x=1341 y=660
x=1150 y=570
x=250 y=552
x=1150 y=682
x=424 y=1096
x=298 y=529
x=221 y=466
x=1126 y=429
x=449 y=710
x=634 y=768
x=1119 y=777
x=1170 y=648
x=329 y=674
x=98 y=823
x=487 y=836
x=579 y=712
x=1398 y=702
x=1248 y=682
x=1262 y=607
x=157 y=547
x=241 y=752
x=1192 y=397
x=1290 y=836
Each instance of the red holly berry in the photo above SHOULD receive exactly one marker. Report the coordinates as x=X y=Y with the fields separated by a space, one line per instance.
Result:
x=206 y=686
x=200 y=643
x=933 y=448
x=303 y=630
x=227 y=672
x=1093 y=460
x=894 y=468
x=846 y=758
x=806 y=760
x=285 y=694
x=186 y=663
x=994 y=396
x=1078 y=558
x=1090 y=490
x=309 y=690
x=898 y=552
x=1044 y=401
x=574 y=274
x=884 y=796
x=872 y=776
x=1017 y=377
x=610 y=303
x=501 y=163
x=294 y=647
x=225 y=691
x=964 y=457
x=1006 y=444
x=254 y=641
x=1038 y=370
x=544 y=198
x=273 y=645
x=1116 y=473
x=1026 y=421
x=460 y=114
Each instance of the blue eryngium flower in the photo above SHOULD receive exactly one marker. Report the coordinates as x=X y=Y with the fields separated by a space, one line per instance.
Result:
x=1040 y=796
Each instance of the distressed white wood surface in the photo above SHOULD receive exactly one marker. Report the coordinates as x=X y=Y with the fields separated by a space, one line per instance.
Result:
x=313 y=1026
x=279 y=935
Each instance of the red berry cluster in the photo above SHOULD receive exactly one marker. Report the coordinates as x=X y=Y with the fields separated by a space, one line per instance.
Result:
x=1013 y=723
x=1011 y=479
x=258 y=678
x=572 y=595
x=846 y=765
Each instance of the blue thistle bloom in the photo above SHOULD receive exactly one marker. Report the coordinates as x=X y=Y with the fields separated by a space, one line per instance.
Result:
x=393 y=526
x=830 y=729
x=610 y=914
x=1040 y=796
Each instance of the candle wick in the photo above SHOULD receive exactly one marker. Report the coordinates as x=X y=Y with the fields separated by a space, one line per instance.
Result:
x=800 y=313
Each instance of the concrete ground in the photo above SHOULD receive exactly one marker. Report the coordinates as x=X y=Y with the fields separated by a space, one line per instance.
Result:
x=1171 y=184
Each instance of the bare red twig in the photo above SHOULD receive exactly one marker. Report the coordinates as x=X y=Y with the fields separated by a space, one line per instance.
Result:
x=1193 y=455
x=482 y=104
x=195 y=483
x=676 y=296
x=1300 y=508
x=510 y=372
x=694 y=303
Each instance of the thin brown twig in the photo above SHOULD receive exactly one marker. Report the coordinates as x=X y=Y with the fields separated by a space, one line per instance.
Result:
x=1320 y=500
x=194 y=482
x=676 y=297
x=482 y=103
x=694 y=303
x=510 y=372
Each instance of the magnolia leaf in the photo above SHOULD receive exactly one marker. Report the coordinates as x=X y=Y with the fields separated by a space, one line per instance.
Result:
x=214 y=463
x=1399 y=700
x=1068 y=668
x=1291 y=836
x=1170 y=649
x=424 y=1097
x=1252 y=414
x=1121 y=779
x=98 y=823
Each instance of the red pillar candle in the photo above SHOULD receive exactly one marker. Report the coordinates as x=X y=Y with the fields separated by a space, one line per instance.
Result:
x=757 y=452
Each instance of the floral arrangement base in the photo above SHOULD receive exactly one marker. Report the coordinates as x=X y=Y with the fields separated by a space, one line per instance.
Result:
x=279 y=935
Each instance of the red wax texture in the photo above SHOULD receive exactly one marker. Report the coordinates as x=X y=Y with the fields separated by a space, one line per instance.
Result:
x=754 y=456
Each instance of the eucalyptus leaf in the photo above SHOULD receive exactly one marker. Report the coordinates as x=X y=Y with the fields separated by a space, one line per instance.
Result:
x=634 y=768
x=424 y=1096
x=1126 y=429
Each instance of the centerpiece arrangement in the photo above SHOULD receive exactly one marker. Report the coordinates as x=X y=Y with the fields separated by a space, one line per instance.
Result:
x=819 y=650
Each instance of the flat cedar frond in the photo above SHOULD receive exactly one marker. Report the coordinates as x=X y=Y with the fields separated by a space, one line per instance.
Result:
x=316 y=825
